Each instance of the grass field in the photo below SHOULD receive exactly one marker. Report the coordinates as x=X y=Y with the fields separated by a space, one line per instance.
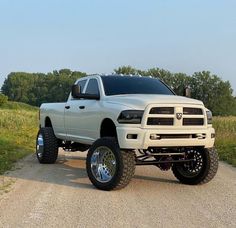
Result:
x=19 y=124
x=226 y=138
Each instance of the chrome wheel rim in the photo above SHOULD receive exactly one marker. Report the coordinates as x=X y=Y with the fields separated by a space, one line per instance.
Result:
x=103 y=164
x=40 y=146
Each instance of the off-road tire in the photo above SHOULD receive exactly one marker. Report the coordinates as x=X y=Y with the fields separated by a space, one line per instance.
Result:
x=209 y=170
x=50 y=148
x=125 y=165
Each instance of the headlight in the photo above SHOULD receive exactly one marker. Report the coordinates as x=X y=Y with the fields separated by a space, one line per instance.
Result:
x=209 y=117
x=130 y=116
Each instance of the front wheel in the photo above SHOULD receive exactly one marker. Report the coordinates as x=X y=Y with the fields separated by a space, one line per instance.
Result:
x=201 y=170
x=108 y=167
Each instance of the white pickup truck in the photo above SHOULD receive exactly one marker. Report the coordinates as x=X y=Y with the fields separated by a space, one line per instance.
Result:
x=124 y=121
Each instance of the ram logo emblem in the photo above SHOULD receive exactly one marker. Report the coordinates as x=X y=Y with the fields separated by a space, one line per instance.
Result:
x=179 y=116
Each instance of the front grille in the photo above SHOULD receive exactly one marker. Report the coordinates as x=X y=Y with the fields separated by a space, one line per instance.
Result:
x=180 y=136
x=160 y=121
x=193 y=121
x=192 y=111
x=162 y=110
x=175 y=116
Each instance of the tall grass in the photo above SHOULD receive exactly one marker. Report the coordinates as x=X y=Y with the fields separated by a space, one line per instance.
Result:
x=18 y=129
x=18 y=106
x=226 y=138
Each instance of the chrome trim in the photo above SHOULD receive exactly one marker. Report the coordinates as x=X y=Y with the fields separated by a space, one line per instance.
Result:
x=40 y=146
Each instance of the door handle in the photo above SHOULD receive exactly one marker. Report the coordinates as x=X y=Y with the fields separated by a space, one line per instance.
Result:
x=82 y=107
x=67 y=106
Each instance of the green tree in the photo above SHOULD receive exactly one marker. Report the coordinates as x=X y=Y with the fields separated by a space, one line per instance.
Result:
x=37 y=88
x=18 y=85
x=126 y=70
x=215 y=93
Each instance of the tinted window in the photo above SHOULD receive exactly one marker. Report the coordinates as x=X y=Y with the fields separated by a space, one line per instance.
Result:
x=92 y=87
x=82 y=84
x=114 y=85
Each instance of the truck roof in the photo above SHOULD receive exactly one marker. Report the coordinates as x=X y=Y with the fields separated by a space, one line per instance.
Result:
x=120 y=75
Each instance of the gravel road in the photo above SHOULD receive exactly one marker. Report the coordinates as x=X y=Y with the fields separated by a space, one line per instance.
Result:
x=61 y=195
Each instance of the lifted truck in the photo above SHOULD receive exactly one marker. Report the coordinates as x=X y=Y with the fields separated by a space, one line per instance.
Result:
x=124 y=121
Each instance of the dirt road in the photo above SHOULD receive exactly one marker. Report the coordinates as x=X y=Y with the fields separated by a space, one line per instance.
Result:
x=61 y=195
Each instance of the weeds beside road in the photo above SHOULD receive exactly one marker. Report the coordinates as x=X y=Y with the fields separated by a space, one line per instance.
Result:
x=18 y=124
x=226 y=138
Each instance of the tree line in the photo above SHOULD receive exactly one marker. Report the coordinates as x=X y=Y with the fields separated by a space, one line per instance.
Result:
x=37 y=88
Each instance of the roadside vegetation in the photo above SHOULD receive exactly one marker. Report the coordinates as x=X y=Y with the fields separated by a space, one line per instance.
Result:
x=226 y=138
x=18 y=124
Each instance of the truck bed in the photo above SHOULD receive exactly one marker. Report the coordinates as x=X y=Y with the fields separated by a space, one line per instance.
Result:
x=56 y=113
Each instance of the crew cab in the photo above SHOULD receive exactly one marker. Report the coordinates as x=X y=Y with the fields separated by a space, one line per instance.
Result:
x=124 y=121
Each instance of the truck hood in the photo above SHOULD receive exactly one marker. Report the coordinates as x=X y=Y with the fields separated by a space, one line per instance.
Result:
x=140 y=101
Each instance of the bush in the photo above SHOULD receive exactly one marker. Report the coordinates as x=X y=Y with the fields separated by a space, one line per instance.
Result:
x=3 y=99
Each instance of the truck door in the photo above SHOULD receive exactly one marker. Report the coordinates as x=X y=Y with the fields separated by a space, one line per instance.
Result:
x=82 y=117
x=72 y=114
x=91 y=113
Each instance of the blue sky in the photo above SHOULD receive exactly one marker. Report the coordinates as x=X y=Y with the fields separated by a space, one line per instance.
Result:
x=97 y=36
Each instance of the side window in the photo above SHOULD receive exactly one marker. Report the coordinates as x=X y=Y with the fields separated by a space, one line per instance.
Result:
x=82 y=84
x=92 y=87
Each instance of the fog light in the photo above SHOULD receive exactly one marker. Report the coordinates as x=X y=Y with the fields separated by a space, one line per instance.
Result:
x=132 y=136
x=213 y=135
x=201 y=136
x=155 y=137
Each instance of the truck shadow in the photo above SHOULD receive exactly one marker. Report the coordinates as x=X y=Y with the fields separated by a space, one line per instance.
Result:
x=69 y=170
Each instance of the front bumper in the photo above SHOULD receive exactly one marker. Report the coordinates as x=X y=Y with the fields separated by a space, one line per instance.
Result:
x=143 y=140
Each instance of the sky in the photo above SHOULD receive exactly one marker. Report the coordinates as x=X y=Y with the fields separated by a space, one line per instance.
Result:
x=97 y=36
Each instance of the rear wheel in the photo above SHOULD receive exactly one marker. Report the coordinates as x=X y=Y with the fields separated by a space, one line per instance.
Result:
x=46 y=146
x=108 y=167
x=199 y=171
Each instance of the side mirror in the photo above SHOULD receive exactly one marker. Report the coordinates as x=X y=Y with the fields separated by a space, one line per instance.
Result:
x=75 y=91
x=187 y=92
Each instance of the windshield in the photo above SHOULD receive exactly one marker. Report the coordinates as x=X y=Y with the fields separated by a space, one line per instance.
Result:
x=115 y=85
